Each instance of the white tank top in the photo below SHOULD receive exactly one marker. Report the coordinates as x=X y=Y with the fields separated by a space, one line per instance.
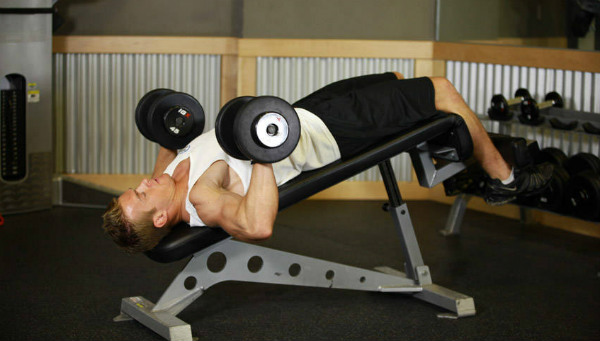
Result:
x=316 y=148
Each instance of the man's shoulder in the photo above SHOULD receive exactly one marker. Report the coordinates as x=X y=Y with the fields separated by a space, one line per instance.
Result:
x=209 y=182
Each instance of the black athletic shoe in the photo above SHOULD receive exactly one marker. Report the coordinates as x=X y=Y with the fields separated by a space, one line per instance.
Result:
x=528 y=181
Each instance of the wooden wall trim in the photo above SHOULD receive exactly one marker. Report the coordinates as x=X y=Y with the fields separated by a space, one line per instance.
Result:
x=480 y=53
x=335 y=48
x=229 y=78
x=246 y=85
x=145 y=44
x=522 y=56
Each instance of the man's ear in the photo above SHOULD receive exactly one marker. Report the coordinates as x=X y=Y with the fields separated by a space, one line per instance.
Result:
x=160 y=218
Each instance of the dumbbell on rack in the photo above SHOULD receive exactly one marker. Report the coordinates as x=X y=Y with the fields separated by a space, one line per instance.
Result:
x=501 y=108
x=530 y=109
x=583 y=197
x=169 y=118
x=263 y=129
x=553 y=197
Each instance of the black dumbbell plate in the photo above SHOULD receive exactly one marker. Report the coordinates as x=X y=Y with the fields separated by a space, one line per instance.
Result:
x=224 y=126
x=164 y=105
x=245 y=129
x=142 y=112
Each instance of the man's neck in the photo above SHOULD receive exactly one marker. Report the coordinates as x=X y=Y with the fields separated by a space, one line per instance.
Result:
x=180 y=177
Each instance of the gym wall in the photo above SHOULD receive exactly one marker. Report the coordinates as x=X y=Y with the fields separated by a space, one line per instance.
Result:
x=216 y=18
x=340 y=19
x=473 y=20
x=459 y=20
x=94 y=92
x=344 y=19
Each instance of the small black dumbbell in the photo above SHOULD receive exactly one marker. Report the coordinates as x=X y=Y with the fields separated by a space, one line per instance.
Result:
x=169 y=118
x=530 y=109
x=501 y=108
x=263 y=129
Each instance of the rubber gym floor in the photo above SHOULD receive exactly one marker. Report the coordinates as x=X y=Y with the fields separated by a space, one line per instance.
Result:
x=62 y=279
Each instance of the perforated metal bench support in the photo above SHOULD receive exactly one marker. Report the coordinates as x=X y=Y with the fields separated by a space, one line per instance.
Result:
x=238 y=261
x=232 y=260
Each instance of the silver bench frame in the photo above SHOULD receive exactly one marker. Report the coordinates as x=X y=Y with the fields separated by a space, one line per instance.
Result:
x=251 y=263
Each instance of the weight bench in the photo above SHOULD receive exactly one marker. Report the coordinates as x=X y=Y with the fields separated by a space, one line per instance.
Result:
x=216 y=257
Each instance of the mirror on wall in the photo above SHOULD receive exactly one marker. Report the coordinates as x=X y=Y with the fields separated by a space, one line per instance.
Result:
x=543 y=23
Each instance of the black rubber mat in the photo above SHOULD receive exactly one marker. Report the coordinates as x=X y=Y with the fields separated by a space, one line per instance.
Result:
x=62 y=279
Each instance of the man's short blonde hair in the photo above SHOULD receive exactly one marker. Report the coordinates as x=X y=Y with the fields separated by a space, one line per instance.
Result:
x=132 y=236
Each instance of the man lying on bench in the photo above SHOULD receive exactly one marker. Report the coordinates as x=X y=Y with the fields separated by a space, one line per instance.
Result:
x=204 y=186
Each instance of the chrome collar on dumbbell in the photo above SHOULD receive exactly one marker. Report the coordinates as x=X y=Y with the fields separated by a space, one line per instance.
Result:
x=271 y=130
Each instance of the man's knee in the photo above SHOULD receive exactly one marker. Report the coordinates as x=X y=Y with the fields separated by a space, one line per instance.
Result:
x=446 y=95
x=442 y=85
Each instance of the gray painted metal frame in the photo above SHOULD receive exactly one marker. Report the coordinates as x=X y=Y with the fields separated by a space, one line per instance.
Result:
x=231 y=260
x=429 y=173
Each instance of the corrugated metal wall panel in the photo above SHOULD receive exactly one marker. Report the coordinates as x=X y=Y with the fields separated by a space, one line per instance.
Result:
x=95 y=98
x=478 y=82
x=294 y=78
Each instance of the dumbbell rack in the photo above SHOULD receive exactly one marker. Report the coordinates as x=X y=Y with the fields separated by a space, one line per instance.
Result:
x=579 y=119
x=564 y=116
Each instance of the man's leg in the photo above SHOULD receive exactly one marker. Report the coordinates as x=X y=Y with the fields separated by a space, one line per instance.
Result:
x=448 y=99
x=504 y=183
x=398 y=75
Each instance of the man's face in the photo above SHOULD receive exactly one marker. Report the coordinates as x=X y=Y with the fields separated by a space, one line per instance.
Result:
x=150 y=194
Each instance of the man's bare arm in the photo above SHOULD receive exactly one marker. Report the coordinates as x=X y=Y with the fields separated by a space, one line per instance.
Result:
x=163 y=159
x=249 y=217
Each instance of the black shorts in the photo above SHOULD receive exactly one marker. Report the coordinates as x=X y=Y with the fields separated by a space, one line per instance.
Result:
x=363 y=111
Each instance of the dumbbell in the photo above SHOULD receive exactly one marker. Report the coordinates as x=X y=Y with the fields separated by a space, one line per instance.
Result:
x=582 y=162
x=530 y=109
x=583 y=197
x=501 y=108
x=169 y=118
x=263 y=129
x=553 y=155
x=553 y=197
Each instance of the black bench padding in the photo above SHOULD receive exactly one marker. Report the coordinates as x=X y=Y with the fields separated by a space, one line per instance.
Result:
x=184 y=240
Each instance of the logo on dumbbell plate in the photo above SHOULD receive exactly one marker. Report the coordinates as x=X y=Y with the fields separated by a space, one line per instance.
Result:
x=183 y=112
